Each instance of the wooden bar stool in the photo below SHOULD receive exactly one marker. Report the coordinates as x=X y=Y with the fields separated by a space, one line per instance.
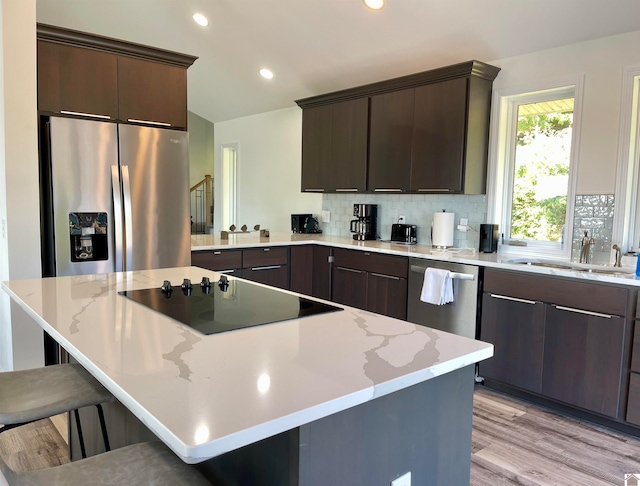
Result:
x=147 y=463
x=30 y=395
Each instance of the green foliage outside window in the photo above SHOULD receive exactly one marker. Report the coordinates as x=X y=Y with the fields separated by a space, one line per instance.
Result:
x=538 y=212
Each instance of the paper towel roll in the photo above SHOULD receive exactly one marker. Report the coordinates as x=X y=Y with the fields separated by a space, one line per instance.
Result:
x=443 y=229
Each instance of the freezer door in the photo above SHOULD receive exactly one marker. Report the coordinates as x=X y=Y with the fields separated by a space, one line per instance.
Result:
x=156 y=197
x=82 y=153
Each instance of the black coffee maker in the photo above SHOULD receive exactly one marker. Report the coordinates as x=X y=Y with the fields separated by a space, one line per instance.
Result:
x=366 y=226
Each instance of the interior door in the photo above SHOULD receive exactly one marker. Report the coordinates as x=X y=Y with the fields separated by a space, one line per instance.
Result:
x=157 y=214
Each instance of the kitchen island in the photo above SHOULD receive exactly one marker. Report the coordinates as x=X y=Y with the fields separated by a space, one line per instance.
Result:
x=355 y=397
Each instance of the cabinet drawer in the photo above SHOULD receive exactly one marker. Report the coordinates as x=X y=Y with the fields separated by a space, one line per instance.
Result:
x=217 y=260
x=372 y=262
x=261 y=257
x=635 y=352
x=570 y=293
x=633 y=405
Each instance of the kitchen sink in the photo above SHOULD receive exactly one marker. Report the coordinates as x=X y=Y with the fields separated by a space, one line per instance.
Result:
x=573 y=266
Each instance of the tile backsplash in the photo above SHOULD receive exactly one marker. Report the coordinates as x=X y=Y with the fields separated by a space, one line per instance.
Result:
x=594 y=213
x=418 y=209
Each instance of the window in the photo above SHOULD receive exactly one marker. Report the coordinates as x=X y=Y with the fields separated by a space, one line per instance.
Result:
x=626 y=226
x=228 y=186
x=532 y=178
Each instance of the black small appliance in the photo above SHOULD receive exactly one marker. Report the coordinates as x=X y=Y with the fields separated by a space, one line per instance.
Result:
x=298 y=222
x=404 y=233
x=366 y=226
x=489 y=238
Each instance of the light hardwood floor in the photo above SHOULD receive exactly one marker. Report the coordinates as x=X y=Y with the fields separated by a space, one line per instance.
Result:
x=514 y=442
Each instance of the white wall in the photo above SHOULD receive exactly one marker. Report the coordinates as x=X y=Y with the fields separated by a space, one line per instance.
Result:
x=20 y=337
x=269 y=169
x=602 y=61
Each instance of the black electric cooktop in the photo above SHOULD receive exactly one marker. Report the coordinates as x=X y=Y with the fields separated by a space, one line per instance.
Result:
x=212 y=307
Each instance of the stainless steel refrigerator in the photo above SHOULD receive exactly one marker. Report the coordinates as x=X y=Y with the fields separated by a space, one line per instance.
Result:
x=115 y=197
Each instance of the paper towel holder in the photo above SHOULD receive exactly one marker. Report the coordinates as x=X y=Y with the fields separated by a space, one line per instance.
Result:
x=444 y=230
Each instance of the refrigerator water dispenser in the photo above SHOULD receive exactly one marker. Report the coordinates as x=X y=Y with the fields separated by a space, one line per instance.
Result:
x=88 y=233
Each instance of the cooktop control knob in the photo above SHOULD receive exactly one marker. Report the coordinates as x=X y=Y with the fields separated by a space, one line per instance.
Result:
x=186 y=284
x=166 y=287
x=205 y=282
x=223 y=283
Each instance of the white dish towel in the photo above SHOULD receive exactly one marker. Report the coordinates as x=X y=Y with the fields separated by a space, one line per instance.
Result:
x=437 y=287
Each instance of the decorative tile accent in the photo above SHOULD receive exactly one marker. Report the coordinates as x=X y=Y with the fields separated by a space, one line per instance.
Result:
x=594 y=213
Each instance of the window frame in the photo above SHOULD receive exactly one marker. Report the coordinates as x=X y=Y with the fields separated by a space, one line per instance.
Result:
x=626 y=227
x=502 y=154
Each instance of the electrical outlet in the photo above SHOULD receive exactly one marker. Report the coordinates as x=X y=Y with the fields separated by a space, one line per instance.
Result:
x=464 y=222
x=4 y=228
x=404 y=480
x=326 y=216
x=401 y=219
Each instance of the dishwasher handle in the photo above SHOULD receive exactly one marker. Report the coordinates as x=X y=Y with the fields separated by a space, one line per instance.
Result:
x=454 y=275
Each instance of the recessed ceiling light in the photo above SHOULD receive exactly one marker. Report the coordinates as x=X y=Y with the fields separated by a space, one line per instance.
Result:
x=374 y=4
x=200 y=19
x=266 y=73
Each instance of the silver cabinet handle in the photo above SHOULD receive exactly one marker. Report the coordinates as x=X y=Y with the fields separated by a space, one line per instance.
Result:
x=314 y=190
x=434 y=190
x=391 y=277
x=266 y=249
x=387 y=190
x=271 y=267
x=454 y=275
x=504 y=297
x=581 y=311
x=149 y=122
x=225 y=271
x=349 y=270
x=347 y=190
x=217 y=253
x=79 y=113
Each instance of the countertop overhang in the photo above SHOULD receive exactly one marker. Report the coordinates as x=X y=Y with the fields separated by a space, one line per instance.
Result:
x=207 y=395
x=502 y=261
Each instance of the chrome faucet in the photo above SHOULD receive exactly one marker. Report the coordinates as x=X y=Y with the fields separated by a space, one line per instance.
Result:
x=618 y=262
x=585 y=248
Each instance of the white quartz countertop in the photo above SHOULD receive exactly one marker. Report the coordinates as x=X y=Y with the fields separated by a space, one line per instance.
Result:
x=505 y=261
x=206 y=395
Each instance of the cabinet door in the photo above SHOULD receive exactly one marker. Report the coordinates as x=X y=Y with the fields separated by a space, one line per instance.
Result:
x=224 y=261
x=582 y=362
x=390 y=134
x=438 y=144
x=77 y=80
x=316 y=147
x=274 y=275
x=348 y=162
x=311 y=271
x=515 y=327
x=350 y=287
x=387 y=295
x=152 y=92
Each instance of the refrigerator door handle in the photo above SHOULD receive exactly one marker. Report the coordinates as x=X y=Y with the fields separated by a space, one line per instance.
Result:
x=118 y=227
x=128 y=216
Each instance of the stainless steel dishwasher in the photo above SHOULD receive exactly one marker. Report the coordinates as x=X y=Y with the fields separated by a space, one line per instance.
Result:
x=459 y=317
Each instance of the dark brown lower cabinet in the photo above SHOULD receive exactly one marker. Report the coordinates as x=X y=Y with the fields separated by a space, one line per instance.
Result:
x=350 y=287
x=516 y=329
x=387 y=295
x=274 y=275
x=310 y=270
x=633 y=404
x=582 y=359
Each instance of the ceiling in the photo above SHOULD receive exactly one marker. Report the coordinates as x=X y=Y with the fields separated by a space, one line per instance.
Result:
x=319 y=46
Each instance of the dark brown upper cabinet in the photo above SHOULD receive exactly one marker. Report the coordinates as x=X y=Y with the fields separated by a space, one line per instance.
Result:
x=334 y=147
x=73 y=79
x=91 y=76
x=152 y=93
x=391 y=131
x=428 y=132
